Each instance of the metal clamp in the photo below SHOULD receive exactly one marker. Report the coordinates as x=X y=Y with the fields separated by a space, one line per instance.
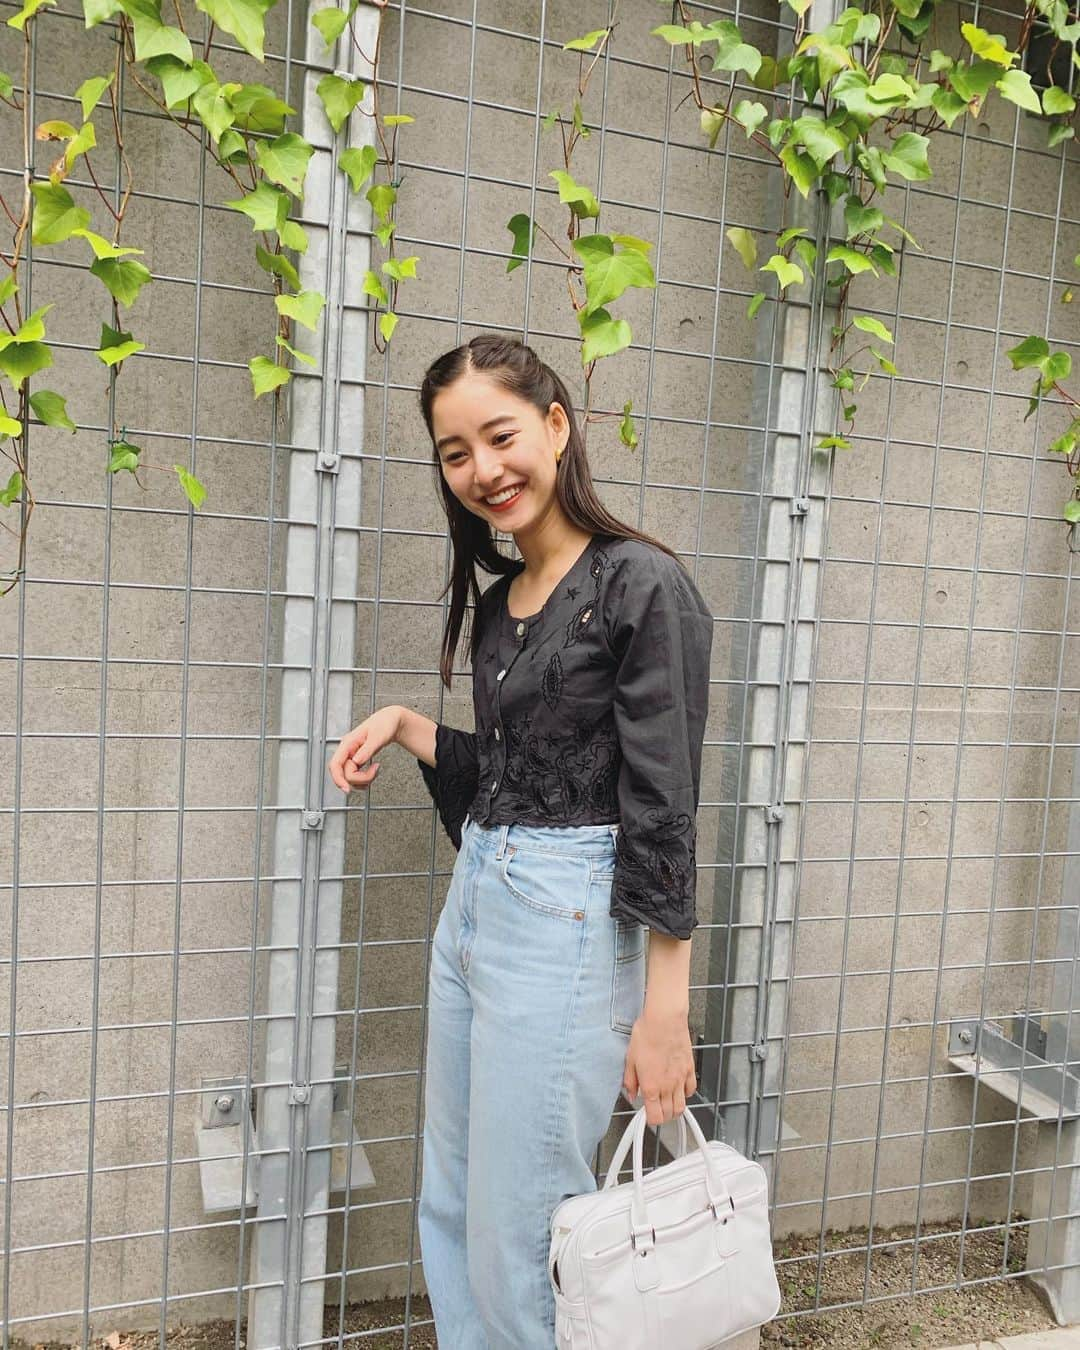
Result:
x=634 y=1236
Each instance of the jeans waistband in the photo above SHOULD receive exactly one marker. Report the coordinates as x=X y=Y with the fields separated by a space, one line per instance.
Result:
x=576 y=841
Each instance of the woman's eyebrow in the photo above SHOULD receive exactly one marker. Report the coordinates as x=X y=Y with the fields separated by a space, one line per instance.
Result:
x=492 y=421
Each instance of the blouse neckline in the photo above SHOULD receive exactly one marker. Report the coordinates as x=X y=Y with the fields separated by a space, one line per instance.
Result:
x=514 y=620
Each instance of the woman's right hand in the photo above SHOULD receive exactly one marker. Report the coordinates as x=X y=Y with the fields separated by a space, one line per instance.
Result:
x=353 y=764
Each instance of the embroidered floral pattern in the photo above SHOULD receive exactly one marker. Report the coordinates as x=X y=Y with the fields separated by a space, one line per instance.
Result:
x=590 y=728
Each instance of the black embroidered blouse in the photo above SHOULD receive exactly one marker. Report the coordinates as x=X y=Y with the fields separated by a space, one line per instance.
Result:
x=592 y=711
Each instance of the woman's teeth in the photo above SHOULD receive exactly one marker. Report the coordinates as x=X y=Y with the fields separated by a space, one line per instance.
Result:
x=502 y=497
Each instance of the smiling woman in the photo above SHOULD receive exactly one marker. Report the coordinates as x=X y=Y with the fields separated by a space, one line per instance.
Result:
x=573 y=808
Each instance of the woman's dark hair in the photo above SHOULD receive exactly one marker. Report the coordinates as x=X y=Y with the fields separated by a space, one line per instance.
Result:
x=516 y=367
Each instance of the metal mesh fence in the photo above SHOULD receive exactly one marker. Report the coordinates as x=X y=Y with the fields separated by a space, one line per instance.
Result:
x=215 y=969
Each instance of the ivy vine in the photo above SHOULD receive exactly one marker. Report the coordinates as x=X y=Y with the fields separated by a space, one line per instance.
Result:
x=868 y=96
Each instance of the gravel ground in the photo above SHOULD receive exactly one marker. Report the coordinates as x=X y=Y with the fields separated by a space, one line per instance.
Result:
x=945 y=1317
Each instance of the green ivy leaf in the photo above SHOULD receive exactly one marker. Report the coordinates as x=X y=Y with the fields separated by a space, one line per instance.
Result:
x=123 y=280
x=90 y=91
x=293 y=235
x=8 y=287
x=755 y=304
x=123 y=455
x=305 y=308
x=884 y=362
x=397 y=119
x=803 y=170
x=257 y=108
x=179 y=81
x=56 y=217
x=1058 y=132
x=1033 y=351
x=359 y=163
x=744 y=244
x=908 y=156
x=987 y=46
x=807 y=251
x=115 y=345
x=1056 y=367
x=102 y=248
x=400 y=268
x=85 y=139
x=732 y=53
x=307 y=359
x=13 y=491
x=21 y=359
x=524 y=231
x=51 y=408
x=30 y=8
x=627 y=434
x=10 y=426
x=373 y=286
x=194 y=491
x=866 y=324
x=266 y=207
x=232 y=148
x=608 y=274
x=575 y=195
x=972 y=82
x=278 y=265
x=330 y=23
x=947 y=104
x=787 y=272
x=382 y=197
x=285 y=161
x=97 y=11
x=750 y=115
x=32 y=328
x=387 y=324
x=1015 y=85
x=153 y=37
x=602 y=335
x=821 y=141
x=712 y=123
x=339 y=97
x=1072 y=511
x=860 y=219
x=266 y=374
x=586 y=43
x=833 y=442
x=244 y=19
x=1057 y=100
x=213 y=109
x=854 y=261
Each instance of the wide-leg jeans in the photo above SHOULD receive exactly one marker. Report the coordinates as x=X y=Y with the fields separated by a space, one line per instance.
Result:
x=534 y=990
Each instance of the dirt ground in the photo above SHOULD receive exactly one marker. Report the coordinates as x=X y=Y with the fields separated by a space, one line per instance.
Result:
x=1003 y=1306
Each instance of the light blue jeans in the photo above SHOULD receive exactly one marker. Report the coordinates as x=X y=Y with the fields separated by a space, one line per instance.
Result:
x=534 y=990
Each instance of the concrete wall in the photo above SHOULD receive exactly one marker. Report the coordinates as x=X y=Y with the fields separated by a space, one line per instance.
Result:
x=129 y=853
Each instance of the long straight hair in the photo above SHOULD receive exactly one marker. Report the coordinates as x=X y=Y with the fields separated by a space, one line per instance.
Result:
x=515 y=366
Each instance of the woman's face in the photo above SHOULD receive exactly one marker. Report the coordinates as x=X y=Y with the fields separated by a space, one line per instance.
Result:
x=497 y=452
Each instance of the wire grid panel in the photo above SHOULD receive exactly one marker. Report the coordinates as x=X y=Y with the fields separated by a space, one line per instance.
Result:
x=936 y=841
x=140 y=911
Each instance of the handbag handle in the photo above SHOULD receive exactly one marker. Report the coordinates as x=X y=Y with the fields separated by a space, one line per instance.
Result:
x=719 y=1196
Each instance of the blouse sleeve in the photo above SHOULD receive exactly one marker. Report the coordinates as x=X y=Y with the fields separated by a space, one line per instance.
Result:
x=453 y=780
x=661 y=633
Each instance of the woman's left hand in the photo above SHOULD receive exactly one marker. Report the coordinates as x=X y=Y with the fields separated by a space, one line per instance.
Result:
x=660 y=1065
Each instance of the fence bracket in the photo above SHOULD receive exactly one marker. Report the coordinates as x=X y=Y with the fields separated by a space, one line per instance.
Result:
x=983 y=1050
x=224 y=1117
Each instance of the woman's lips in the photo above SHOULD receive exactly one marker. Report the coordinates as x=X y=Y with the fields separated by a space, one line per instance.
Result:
x=502 y=506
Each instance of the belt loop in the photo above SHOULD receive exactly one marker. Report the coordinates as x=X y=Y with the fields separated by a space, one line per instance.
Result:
x=504 y=830
x=614 y=834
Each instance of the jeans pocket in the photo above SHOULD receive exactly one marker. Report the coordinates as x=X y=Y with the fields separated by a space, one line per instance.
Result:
x=547 y=883
x=628 y=975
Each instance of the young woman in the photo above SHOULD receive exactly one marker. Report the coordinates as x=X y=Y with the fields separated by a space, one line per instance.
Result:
x=572 y=807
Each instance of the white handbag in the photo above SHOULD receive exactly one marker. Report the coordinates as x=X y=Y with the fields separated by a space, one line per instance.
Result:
x=681 y=1257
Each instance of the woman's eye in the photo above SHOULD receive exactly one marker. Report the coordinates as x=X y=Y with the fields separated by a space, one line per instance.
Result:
x=499 y=438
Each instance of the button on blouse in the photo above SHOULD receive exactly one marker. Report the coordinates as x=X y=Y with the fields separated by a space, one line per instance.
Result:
x=592 y=711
